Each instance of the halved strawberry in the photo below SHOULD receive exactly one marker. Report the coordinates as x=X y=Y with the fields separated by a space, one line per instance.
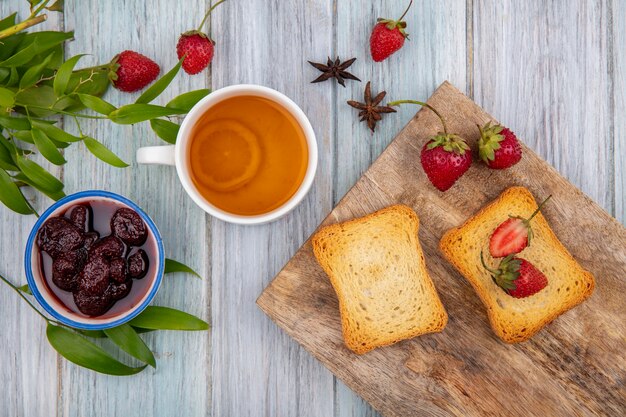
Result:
x=517 y=277
x=512 y=235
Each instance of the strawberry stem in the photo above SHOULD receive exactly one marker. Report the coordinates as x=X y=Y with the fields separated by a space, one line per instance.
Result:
x=539 y=208
x=421 y=103
x=482 y=260
x=208 y=13
x=405 y=12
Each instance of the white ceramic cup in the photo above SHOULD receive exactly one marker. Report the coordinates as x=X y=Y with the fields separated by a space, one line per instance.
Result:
x=178 y=154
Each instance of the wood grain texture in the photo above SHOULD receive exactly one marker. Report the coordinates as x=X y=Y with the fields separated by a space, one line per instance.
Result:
x=181 y=383
x=617 y=59
x=435 y=51
x=573 y=367
x=245 y=365
x=258 y=370
x=23 y=332
x=542 y=67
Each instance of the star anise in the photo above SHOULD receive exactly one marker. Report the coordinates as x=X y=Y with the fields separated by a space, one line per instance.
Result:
x=370 y=110
x=335 y=70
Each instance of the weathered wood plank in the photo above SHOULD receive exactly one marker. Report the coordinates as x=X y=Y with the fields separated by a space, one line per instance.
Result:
x=257 y=369
x=23 y=334
x=454 y=372
x=617 y=57
x=181 y=383
x=542 y=69
x=435 y=51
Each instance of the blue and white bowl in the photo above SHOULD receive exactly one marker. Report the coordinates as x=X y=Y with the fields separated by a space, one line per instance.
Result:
x=51 y=303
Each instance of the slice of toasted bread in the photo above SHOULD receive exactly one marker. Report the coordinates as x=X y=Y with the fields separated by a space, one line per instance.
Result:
x=377 y=268
x=517 y=319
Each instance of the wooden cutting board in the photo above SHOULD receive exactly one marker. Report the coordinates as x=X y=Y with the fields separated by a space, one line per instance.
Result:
x=575 y=366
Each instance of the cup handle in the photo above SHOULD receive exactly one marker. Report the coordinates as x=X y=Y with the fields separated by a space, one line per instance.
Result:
x=156 y=155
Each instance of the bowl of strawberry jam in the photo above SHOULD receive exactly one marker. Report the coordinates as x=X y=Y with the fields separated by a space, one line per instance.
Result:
x=94 y=260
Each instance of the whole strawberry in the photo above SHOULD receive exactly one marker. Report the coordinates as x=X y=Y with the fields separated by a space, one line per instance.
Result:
x=517 y=277
x=388 y=37
x=446 y=156
x=512 y=235
x=498 y=147
x=132 y=71
x=196 y=47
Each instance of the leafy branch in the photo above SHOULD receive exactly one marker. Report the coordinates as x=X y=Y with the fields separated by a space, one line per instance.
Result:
x=75 y=346
x=38 y=89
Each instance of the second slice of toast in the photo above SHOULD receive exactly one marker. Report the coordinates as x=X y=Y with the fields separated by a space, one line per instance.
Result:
x=517 y=319
x=377 y=268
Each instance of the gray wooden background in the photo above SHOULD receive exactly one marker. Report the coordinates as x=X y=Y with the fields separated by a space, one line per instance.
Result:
x=553 y=71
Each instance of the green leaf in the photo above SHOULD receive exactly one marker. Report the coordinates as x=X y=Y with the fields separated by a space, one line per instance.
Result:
x=34 y=2
x=14 y=123
x=172 y=266
x=166 y=130
x=7 y=98
x=127 y=339
x=11 y=45
x=54 y=132
x=4 y=74
x=6 y=161
x=134 y=113
x=63 y=75
x=36 y=43
x=8 y=21
x=38 y=175
x=165 y=318
x=103 y=153
x=46 y=147
x=94 y=82
x=96 y=104
x=25 y=289
x=187 y=100
x=11 y=196
x=40 y=96
x=55 y=195
x=79 y=350
x=14 y=78
x=57 y=6
x=24 y=135
x=161 y=84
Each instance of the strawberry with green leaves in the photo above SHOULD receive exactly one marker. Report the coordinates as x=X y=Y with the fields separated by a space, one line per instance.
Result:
x=197 y=47
x=498 y=146
x=446 y=156
x=517 y=277
x=388 y=37
x=513 y=235
x=131 y=71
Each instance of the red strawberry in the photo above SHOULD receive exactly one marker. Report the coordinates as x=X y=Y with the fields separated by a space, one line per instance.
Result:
x=388 y=37
x=498 y=147
x=199 y=50
x=445 y=157
x=517 y=277
x=197 y=47
x=131 y=71
x=512 y=235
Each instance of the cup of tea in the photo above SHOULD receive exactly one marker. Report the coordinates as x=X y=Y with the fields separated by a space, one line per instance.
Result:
x=245 y=154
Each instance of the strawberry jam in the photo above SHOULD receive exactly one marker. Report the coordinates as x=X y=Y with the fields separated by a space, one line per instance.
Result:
x=94 y=257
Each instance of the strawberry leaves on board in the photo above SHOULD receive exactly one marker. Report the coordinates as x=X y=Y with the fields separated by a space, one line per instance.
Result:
x=38 y=89
x=388 y=36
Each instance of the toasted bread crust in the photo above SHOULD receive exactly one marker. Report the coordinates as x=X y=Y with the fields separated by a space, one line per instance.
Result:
x=353 y=337
x=505 y=325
